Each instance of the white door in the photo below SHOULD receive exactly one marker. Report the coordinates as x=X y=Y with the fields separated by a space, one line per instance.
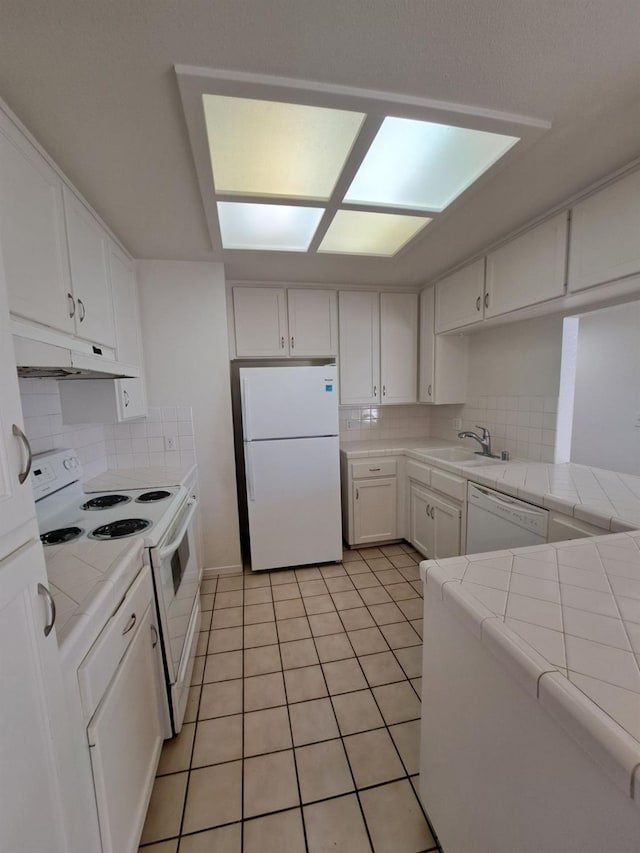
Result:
x=289 y=402
x=420 y=523
x=16 y=498
x=375 y=516
x=313 y=322
x=32 y=232
x=125 y=307
x=125 y=740
x=90 y=279
x=33 y=710
x=459 y=298
x=605 y=235
x=359 y=313
x=293 y=499
x=260 y=321
x=529 y=269
x=399 y=347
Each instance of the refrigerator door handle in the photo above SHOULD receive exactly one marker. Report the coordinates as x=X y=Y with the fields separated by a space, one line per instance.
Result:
x=245 y=407
x=249 y=471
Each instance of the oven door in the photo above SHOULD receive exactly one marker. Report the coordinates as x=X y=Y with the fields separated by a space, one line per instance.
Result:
x=176 y=576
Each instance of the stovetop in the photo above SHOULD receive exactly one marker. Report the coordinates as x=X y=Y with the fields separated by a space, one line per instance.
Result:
x=67 y=515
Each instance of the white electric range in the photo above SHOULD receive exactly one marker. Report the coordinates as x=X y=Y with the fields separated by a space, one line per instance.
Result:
x=75 y=526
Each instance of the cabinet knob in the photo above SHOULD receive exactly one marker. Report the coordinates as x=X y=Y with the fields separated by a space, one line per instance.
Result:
x=478 y=303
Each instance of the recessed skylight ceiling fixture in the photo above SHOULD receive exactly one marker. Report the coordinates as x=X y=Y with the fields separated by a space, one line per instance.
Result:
x=296 y=166
x=267 y=227
x=358 y=232
x=266 y=148
x=423 y=166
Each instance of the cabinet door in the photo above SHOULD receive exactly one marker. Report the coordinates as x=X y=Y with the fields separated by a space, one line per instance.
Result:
x=374 y=510
x=260 y=321
x=459 y=298
x=125 y=307
x=313 y=322
x=426 y=373
x=359 y=347
x=125 y=740
x=33 y=710
x=446 y=528
x=529 y=269
x=131 y=399
x=32 y=232
x=605 y=235
x=399 y=347
x=420 y=523
x=90 y=280
x=16 y=498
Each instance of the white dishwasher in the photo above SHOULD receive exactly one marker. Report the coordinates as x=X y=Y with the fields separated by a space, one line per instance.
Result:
x=496 y=521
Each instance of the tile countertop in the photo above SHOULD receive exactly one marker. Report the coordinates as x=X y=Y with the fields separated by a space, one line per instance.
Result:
x=157 y=476
x=606 y=499
x=564 y=619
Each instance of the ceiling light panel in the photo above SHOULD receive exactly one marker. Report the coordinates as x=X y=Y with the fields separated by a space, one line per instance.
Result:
x=270 y=227
x=272 y=149
x=424 y=166
x=356 y=232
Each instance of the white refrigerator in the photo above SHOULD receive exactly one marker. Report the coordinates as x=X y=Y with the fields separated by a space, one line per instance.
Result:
x=292 y=467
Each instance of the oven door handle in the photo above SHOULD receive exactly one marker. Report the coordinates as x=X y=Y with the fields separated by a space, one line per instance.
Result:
x=172 y=546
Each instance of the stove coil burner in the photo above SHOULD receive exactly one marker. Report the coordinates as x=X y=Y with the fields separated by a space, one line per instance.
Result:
x=121 y=528
x=150 y=497
x=62 y=534
x=105 y=501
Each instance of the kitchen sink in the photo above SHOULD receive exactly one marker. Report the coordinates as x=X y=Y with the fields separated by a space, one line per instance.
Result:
x=461 y=456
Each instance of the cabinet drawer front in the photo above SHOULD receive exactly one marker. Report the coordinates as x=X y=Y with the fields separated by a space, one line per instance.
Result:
x=374 y=468
x=419 y=472
x=97 y=669
x=449 y=484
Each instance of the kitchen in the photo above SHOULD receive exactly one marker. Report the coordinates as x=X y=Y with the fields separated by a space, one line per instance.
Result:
x=504 y=375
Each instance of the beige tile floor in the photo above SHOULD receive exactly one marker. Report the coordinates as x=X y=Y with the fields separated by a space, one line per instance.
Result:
x=302 y=728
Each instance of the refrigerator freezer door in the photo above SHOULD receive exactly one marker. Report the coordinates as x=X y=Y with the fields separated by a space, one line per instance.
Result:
x=293 y=496
x=289 y=402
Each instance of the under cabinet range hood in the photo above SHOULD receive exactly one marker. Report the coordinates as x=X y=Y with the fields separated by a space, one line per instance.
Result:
x=46 y=360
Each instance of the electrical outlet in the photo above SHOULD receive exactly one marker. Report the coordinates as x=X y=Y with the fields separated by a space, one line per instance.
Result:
x=170 y=442
x=457 y=423
x=349 y=424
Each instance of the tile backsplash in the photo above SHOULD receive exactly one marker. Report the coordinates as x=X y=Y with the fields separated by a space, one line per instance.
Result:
x=523 y=425
x=358 y=423
x=143 y=442
x=103 y=446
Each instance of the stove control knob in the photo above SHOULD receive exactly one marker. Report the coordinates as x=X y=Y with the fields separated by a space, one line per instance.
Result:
x=70 y=462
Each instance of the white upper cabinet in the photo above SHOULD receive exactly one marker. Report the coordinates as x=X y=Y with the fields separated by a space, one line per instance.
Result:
x=313 y=322
x=359 y=347
x=529 y=269
x=459 y=298
x=32 y=233
x=605 y=235
x=260 y=321
x=399 y=347
x=443 y=359
x=125 y=307
x=90 y=278
x=16 y=497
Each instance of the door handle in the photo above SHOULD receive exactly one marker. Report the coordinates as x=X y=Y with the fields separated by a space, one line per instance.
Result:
x=72 y=307
x=282 y=342
x=478 y=303
x=429 y=391
x=22 y=476
x=486 y=300
x=432 y=511
x=154 y=633
x=51 y=605
x=83 y=312
x=375 y=390
x=125 y=394
x=292 y=343
x=132 y=622
x=357 y=494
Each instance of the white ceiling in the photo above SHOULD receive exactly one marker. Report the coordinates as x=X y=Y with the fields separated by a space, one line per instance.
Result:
x=94 y=82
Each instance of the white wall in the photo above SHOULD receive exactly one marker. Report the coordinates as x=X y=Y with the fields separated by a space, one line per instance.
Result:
x=184 y=328
x=607 y=390
x=513 y=383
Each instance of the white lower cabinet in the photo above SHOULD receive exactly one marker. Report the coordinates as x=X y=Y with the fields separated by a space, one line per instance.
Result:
x=34 y=715
x=374 y=510
x=434 y=524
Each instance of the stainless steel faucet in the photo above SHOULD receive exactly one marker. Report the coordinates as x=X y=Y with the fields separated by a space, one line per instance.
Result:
x=484 y=442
